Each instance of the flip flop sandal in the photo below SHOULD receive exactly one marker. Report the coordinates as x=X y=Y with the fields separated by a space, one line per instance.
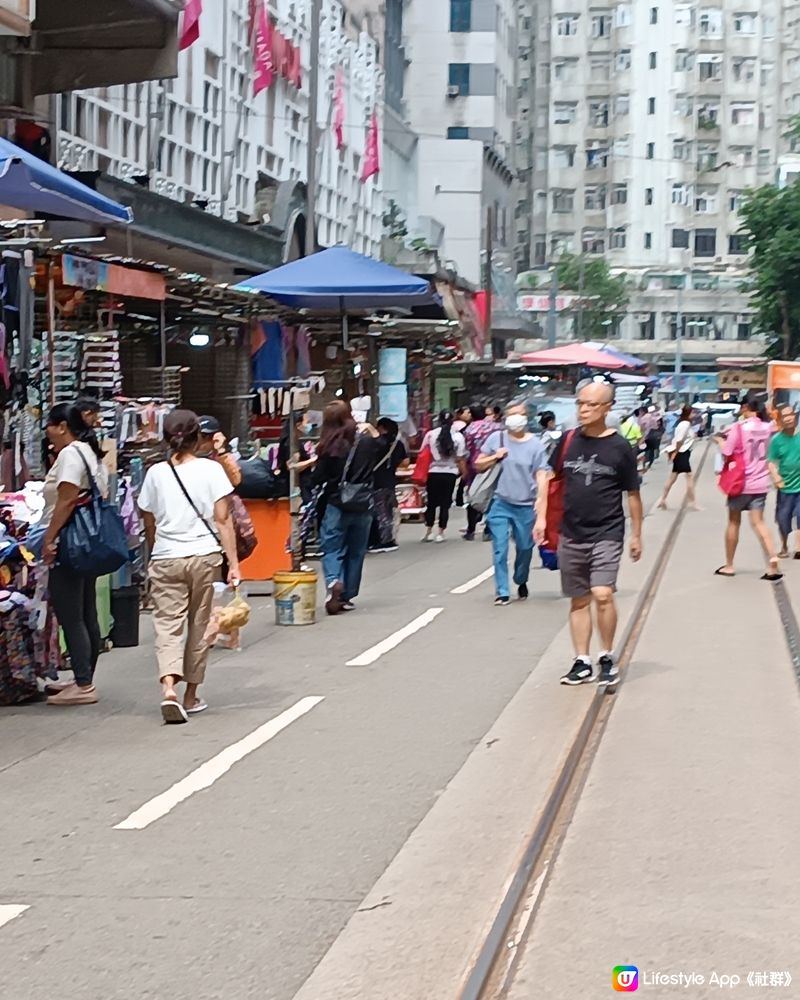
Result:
x=197 y=708
x=718 y=572
x=172 y=712
x=772 y=577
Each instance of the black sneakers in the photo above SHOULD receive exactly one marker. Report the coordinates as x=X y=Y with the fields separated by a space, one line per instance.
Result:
x=581 y=673
x=522 y=591
x=608 y=671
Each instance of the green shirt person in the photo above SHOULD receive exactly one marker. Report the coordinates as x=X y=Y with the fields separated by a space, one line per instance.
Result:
x=783 y=459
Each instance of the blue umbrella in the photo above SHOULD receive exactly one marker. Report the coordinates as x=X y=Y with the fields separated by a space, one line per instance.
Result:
x=30 y=183
x=340 y=279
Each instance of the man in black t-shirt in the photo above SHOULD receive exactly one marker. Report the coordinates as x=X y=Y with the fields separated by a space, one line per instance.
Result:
x=598 y=466
x=383 y=534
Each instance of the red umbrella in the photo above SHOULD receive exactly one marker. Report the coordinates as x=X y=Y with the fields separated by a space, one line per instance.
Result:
x=573 y=354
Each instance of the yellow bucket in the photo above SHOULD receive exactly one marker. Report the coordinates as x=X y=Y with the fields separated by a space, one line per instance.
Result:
x=295 y=598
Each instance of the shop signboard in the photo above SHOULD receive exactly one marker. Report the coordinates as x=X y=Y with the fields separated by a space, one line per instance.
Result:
x=738 y=380
x=541 y=303
x=692 y=383
x=100 y=276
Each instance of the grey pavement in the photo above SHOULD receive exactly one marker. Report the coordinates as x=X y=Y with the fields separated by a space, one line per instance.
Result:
x=240 y=890
x=682 y=853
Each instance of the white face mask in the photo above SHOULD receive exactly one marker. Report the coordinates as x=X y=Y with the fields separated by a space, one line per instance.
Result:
x=516 y=422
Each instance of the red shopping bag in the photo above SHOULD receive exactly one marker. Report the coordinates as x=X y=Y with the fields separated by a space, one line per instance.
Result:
x=555 y=499
x=731 y=479
x=422 y=466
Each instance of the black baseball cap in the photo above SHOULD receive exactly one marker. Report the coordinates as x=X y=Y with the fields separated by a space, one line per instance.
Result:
x=209 y=425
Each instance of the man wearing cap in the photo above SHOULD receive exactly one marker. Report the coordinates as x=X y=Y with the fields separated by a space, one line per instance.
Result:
x=213 y=445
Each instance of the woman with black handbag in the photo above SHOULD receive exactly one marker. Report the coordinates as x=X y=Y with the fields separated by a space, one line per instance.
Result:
x=73 y=595
x=185 y=505
x=345 y=469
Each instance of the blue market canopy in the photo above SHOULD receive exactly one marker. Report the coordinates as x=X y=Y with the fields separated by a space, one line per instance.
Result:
x=339 y=279
x=631 y=361
x=29 y=183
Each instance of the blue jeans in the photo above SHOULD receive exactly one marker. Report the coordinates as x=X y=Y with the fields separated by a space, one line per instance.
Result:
x=502 y=520
x=344 y=537
x=787 y=512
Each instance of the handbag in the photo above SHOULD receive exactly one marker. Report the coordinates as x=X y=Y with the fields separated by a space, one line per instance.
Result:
x=93 y=542
x=246 y=540
x=354 y=498
x=422 y=466
x=731 y=479
x=482 y=488
x=259 y=482
x=555 y=499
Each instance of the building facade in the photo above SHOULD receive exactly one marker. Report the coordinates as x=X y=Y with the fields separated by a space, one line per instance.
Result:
x=646 y=125
x=459 y=98
x=202 y=138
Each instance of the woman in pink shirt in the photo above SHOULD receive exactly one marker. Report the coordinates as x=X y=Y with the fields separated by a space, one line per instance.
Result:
x=750 y=437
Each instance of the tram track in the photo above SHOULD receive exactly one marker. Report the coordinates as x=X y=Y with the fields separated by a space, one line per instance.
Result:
x=494 y=968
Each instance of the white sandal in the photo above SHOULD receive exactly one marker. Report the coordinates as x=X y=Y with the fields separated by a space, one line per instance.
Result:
x=172 y=712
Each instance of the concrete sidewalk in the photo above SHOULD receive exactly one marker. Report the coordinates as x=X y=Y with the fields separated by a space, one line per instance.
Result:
x=682 y=853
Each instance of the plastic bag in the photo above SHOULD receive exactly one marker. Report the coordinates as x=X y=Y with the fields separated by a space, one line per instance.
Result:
x=226 y=621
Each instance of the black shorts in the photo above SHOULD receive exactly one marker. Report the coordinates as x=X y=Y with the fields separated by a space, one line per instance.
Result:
x=682 y=462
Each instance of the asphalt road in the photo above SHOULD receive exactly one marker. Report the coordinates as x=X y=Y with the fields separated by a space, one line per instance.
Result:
x=238 y=890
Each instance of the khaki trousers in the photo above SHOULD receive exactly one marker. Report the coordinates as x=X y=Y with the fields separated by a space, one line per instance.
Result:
x=182 y=592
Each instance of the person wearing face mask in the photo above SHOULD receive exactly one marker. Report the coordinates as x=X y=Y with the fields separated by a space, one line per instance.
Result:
x=515 y=507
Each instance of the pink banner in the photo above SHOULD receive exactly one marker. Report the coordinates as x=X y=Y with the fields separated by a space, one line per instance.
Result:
x=264 y=69
x=372 y=156
x=338 y=108
x=190 y=23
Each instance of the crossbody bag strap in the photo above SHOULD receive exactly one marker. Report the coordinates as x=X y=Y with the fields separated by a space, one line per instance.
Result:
x=567 y=441
x=387 y=457
x=192 y=504
x=348 y=463
x=93 y=487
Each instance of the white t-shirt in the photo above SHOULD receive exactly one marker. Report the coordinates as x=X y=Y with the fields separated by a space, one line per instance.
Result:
x=684 y=429
x=69 y=468
x=440 y=462
x=179 y=531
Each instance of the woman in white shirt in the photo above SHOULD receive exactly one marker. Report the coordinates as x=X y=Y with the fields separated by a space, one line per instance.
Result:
x=78 y=456
x=680 y=453
x=186 y=511
x=449 y=451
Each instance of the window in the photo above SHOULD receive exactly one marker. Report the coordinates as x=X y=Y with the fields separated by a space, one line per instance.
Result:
x=600 y=68
x=651 y=105
x=622 y=15
x=458 y=132
x=708 y=116
x=622 y=146
x=563 y=156
x=596 y=157
x=460 y=15
x=705 y=242
x=540 y=253
x=735 y=200
x=744 y=330
x=619 y=194
x=565 y=70
x=567 y=24
x=681 y=149
x=742 y=156
x=598 y=112
x=684 y=60
x=648 y=196
x=710 y=22
x=564 y=112
x=709 y=67
x=737 y=244
x=651 y=150
x=767 y=72
x=683 y=15
x=765 y=117
x=458 y=76
x=601 y=25
x=616 y=238
x=648 y=241
x=561 y=243
x=654 y=15
x=705 y=200
x=563 y=200
x=680 y=239
x=707 y=155
x=744 y=70
x=544 y=74
x=622 y=60
x=594 y=198
x=652 y=60
x=681 y=194
x=763 y=160
x=744 y=24
x=622 y=105
x=684 y=105
x=593 y=241
x=743 y=113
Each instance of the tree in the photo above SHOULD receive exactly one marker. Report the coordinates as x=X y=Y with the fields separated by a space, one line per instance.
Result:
x=771 y=223
x=601 y=297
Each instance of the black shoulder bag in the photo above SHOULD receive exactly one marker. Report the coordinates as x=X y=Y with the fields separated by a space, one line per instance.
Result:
x=354 y=498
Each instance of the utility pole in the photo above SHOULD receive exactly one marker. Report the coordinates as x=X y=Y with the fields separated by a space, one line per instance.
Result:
x=679 y=339
x=552 y=315
x=313 y=141
x=487 y=274
x=581 y=278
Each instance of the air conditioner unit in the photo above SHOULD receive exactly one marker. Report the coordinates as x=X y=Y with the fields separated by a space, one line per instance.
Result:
x=453 y=90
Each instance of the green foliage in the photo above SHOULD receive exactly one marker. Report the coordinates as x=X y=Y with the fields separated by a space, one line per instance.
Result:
x=603 y=297
x=771 y=221
x=394 y=222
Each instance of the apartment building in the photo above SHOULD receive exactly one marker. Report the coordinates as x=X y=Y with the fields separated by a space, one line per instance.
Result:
x=459 y=98
x=204 y=139
x=647 y=124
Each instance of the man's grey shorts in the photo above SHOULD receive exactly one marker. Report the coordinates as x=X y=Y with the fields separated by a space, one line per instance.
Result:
x=748 y=501
x=585 y=565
